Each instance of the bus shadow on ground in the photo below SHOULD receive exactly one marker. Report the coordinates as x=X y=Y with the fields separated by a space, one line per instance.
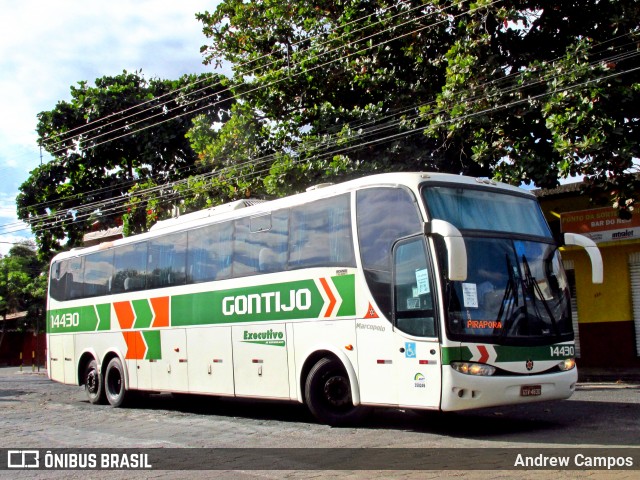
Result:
x=558 y=423
x=224 y=407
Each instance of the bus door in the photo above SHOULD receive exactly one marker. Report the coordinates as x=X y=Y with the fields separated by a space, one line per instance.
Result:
x=399 y=364
x=62 y=358
x=417 y=347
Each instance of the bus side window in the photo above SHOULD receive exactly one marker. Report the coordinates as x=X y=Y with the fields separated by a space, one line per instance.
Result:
x=209 y=253
x=245 y=249
x=270 y=235
x=74 y=278
x=413 y=299
x=56 y=288
x=383 y=216
x=98 y=271
x=130 y=268
x=167 y=261
x=62 y=287
x=321 y=234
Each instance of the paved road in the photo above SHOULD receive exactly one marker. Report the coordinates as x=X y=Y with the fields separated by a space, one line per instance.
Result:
x=38 y=413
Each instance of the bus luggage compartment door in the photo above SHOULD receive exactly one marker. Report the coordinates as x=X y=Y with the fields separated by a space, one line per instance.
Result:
x=260 y=364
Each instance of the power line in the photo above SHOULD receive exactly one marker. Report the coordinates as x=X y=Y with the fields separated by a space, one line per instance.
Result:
x=193 y=84
x=260 y=87
x=218 y=93
x=272 y=83
x=384 y=127
x=268 y=85
x=264 y=86
x=64 y=134
x=420 y=128
x=94 y=205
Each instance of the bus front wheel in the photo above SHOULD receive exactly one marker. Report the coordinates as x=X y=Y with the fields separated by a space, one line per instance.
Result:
x=114 y=383
x=328 y=394
x=93 y=385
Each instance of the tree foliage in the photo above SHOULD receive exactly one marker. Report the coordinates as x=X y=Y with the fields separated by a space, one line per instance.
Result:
x=324 y=78
x=104 y=141
x=541 y=92
x=521 y=90
x=23 y=285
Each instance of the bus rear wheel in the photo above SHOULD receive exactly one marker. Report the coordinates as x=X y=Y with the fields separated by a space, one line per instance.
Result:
x=328 y=394
x=114 y=383
x=93 y=385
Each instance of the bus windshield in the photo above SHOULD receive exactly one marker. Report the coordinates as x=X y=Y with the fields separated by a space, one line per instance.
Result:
x=515 y=291
x=482 y=209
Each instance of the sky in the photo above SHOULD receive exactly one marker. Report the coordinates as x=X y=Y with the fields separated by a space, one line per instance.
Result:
x=48 y=46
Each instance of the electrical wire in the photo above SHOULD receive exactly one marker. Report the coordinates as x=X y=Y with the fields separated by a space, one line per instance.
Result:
x=419 y=129
x=547 y=93
x=251 y=72
x=615 y=58
x=217 y=93
x=337 y=60
x=268 y=85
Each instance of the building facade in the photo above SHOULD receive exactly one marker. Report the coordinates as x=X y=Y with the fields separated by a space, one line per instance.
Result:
x=607 y=315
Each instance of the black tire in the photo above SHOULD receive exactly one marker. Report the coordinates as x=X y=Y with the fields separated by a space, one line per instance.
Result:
x=93 y=384
x=327 y=393
x=114 y=383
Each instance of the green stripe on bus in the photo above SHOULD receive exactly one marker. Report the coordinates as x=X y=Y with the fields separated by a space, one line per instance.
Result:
x=511 y=353
x=452 y=354
x=104 y=316
x=546 y=352
x=152 y=339
x=87 y=318
x=143 y=312
x=281 y=301
x=345 y=285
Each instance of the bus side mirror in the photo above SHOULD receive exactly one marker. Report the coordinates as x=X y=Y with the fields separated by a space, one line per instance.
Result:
x=456 y=249
x=593 y=251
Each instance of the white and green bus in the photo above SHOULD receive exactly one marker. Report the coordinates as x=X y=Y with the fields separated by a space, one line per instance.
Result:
x=415 y=290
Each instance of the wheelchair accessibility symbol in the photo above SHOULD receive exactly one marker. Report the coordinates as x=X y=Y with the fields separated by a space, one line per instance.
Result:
x=410 y=350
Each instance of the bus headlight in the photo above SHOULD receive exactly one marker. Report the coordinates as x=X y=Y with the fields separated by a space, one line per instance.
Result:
x=567 y=364
x=470 y=368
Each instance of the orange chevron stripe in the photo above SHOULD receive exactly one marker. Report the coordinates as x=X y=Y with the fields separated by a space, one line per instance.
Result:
x=160 y=306
x=136 y=348
x=332 y=298
x=125 y=314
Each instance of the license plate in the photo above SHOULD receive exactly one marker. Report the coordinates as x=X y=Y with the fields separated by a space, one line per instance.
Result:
x=530 y=390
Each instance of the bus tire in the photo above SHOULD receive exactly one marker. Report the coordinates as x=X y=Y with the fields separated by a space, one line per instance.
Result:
x=93 y=384
x=114 y=383
x=327 y=394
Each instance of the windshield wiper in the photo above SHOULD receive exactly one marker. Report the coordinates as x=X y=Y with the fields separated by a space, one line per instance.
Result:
x=530 y=283
x=509 y=299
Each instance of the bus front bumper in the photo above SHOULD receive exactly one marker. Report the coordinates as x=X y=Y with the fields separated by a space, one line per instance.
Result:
x=464 y=392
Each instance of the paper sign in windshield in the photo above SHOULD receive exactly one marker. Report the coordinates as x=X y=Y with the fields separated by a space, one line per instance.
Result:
x=470 y=295
x=422 y=279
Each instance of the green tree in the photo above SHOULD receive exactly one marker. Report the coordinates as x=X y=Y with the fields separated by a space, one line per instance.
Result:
x=23 y=285
x=322 y=85
x=520 y=90
x=540 y=92
x=108 y=138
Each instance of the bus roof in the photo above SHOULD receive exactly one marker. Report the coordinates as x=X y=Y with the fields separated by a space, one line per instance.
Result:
x=251 y=207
